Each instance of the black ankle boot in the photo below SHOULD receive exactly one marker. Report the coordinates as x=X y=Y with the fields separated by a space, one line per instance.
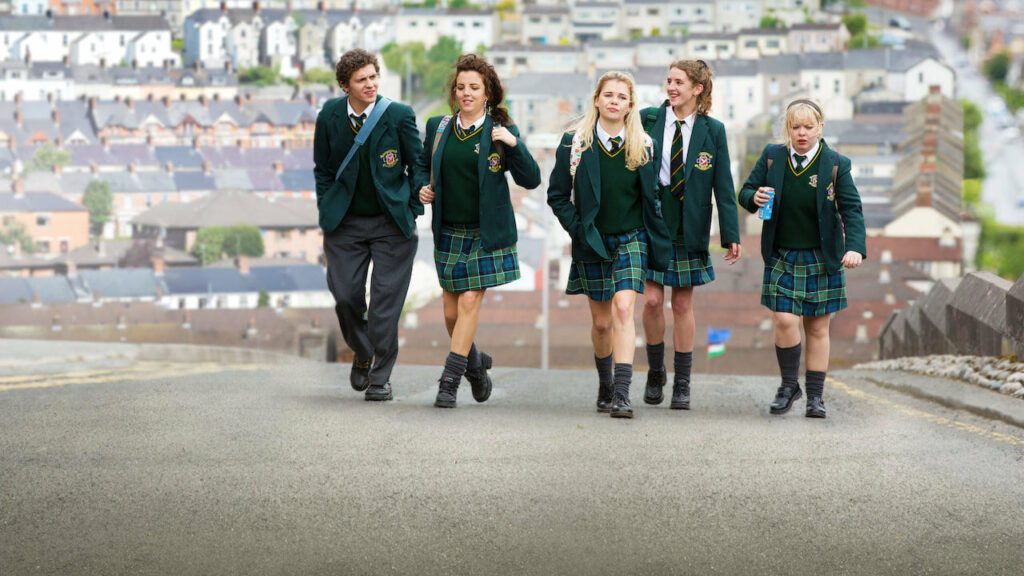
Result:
x=479 y=380
x=447 y=390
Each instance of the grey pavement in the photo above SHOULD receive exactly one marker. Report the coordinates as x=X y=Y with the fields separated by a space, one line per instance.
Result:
x=210 y=468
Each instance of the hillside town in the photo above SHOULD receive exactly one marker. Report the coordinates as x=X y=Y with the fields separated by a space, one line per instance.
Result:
x=156 y=165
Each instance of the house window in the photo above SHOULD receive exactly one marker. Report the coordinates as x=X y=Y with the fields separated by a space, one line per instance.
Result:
x=750 y=44
x=500 y=60
x=817 y=82
x=521 y=60
x=920 y=77
x=65 y=39
x=64 y=248
x=555 y=19
x=122 y=40
x=732 y=111
x=478 y=24
x=652 y=11
x=43 y=246
x=835 y=86
x=773 y=43
x=42 y=220
x=534 y=19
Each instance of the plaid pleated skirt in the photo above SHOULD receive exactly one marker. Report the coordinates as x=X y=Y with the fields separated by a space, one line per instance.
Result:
x=626 y=270
x=797 y=282
x=463 y=265
x=686 y=268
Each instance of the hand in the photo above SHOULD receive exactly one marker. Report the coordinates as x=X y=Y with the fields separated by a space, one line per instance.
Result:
x=851 y=259
x=427 y=194
x=761 y=197
x=733 y=255
x=501 y=134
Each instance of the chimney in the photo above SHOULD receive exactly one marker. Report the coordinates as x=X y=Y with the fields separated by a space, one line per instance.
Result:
x=18 y=187
x=94 y=168
x=223 y=6
x=92 y=103
x=278 y=167
x=55 y=115
x=105 y=141
x=169 y=166
x=183 y=97
x=256 y=7
x=285 y=145
x=167 y=102
x=28 y=57
x=17 y=99
x=55 y=168
x=135 y=63
x=248 y=97
x=17 y=116
x=238 y=100
x=129 y=102
x=58 y=142
x=158 y=265
x=206 y=166
x=149 y=97
x=321 y=6
x=311 y=98
x=242 y=263
x=103 y=63
x=216 y=96
x=72 y=269
x=149 y=141
x=131 y=168
x=202 y=100
x=49 y=97
x=195 y=143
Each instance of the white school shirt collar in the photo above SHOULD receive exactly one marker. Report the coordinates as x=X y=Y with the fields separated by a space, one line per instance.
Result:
x=665 y=175
x=472 y=127
x=606 y=137
x=810 y=155
x=352 y=112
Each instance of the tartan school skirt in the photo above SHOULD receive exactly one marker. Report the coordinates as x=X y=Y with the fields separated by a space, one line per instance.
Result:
x=796 y=281
x=686 y=268
x=463 y=265
x=601 y=279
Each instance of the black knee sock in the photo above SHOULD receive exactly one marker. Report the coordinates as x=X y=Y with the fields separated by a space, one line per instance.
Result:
x=454 y=366
x=683 y=364
x=604 y=371
x=656 y=357
x=623 y=378
x=815 y=383
x=789 y=365
x=473 y=357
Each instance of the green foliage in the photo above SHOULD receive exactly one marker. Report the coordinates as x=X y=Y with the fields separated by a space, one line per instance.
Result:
x=506 y=6
x=46 y=157
x=208 y=244
x=100 y=202
x=432 y=67
x=856 y=23
x=15 y=232
x=972 y=115
x=974 y=164
x=258 y=75
x=997 y=67
x=965 y=42
x=1013 y=97
x=395 y=56
x=481 y=50
x=446 y=51
x=971 y=193
x=178 y=45
x=458 y=3
x=655 y=32
x=319 y=76
x=864 y=40
x=769 y=22
x=264 y=299
x=298 y=19
x=1001 y=249
x=244 y=239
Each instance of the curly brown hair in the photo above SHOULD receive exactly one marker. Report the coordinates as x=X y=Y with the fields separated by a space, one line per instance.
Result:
x=699 y=73
x=350 y=62
x=492 y=86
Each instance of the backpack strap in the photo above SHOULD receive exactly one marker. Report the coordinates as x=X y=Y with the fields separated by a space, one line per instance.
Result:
x=437 y=138
x=835 y=174
x=575 y=154
x=364 y=132
x=771 y=158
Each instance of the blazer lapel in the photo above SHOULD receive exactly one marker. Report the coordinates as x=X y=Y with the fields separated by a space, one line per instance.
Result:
x=592 y=163
x=700 y=131
x=378 y=131
x=824 y=176
x=779 y=167
x=658 y=133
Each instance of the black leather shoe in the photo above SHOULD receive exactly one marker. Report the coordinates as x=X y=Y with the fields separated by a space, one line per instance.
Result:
x=604 y=398
x=621 y=407
x=784 y=399
x=379 y=393
x=359 y=378
x=447 y=390
x=654 y=394
x=680 y=395
x=815 y=407
x=479 y=380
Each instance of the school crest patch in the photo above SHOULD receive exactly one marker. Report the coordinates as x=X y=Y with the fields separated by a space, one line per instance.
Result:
x=477 y=148
x=830 y=193
x=814 y=180
x=704 y=161
x=494 y=163
x=389 y=158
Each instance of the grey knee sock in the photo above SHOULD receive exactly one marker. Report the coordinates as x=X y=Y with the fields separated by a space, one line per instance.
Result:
x=623 y=378
x=789 y=365
x=656 y=357
x=604 y=371
x=454 y=366
x=683 y=363
x=815 y=383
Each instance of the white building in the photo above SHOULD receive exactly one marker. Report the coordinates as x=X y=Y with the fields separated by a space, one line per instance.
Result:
x=471 y=28
x=85 y=39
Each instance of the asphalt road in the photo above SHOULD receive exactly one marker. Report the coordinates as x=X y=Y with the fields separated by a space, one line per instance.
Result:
x=216 y=469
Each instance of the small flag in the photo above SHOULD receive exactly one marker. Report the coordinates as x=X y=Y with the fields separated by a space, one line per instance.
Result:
x=717 y=340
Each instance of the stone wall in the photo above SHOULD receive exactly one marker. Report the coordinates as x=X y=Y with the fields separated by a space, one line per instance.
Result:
x=980 y=314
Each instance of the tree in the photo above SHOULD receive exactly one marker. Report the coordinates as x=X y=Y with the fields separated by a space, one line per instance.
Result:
x=15 y=232
x=319 y=76
x=208 y=244
x=244 y=239
x=258 y=75
x=864 y=40
x=264 y=299
x=100 y=202
x=974 y=163
x=46 y=157
x=856 y=23
x=768 y=22
x=972 y=116
x=997 y=67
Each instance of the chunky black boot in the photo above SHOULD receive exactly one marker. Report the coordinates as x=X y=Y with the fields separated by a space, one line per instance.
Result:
x=654 y=394
x=681 y=395
x=448 y=389
x=479 y=380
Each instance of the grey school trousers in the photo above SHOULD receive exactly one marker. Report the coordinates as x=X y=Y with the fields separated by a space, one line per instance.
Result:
x=349 y=249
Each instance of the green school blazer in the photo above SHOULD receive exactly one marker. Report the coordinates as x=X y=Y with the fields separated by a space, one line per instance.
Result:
x=840 y=216
x=497 y=220
x=394 y=147
x=706 y=169
x=576 y=203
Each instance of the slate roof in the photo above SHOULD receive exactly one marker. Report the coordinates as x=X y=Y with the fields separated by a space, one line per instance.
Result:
x=121 y=283
x=229 y=208
x=308 y=278
x=83 y=23
x=237 y=15
x=51 y=290
x=37 y=202
x=206 y=280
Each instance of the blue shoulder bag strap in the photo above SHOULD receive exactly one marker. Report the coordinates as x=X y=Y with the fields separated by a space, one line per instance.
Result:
x=364 y=132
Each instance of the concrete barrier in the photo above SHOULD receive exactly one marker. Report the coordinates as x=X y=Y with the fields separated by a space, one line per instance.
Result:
x=912 y=331
x=1015 y=316
x=934 y=339
x=976 y=317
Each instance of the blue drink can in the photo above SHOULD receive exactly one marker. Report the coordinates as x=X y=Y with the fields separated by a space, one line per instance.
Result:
x=765 y=212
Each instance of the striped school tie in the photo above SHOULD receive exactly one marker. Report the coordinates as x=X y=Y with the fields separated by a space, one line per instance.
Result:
x=678 y=187
x=357 y=121
x=798 y=160
x=616 y=143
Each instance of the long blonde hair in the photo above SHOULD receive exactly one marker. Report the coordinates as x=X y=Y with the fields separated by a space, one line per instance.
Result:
x=636 y=150
x=801 y=107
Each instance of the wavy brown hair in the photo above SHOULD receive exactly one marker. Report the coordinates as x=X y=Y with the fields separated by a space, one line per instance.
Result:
x=698 y=72
x=350 y=62
x=492 y=87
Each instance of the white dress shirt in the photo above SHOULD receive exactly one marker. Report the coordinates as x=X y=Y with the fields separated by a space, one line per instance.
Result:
x=606 y=137
x=665 y=176
x=809 y=156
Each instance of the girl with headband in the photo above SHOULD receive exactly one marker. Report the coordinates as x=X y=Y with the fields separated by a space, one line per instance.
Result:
x=816 y=228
